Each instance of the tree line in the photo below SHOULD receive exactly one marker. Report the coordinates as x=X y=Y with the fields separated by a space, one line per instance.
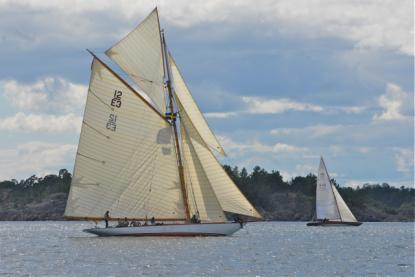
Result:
x=273 y=197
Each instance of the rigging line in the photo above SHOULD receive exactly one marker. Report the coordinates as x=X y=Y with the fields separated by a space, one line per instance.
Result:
x=100 y=100
x=85 y=156
x=96 y=130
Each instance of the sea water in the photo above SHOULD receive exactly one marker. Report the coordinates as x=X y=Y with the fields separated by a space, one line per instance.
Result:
x=260 y=249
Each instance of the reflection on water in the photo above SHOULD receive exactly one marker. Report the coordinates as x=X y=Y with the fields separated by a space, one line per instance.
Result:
x=260 y=249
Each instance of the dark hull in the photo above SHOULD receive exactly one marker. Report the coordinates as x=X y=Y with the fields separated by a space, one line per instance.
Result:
x=333 y=223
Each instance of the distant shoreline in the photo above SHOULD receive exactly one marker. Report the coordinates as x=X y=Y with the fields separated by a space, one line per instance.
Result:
x=44 y=199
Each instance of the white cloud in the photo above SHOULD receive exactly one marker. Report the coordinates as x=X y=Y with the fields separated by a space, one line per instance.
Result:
x=353 y=109
x=36 y=157
x=286 y=148
x=47 y=95
x=368 y=24
x=238 y=148
x=315 y=131
x=299 y=170
x=41 y=123
x=220 y=114
x=258 y=105
x=395 y=103
x=404 y=160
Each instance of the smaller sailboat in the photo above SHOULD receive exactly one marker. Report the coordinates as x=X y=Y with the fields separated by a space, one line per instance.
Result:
x=331 y=210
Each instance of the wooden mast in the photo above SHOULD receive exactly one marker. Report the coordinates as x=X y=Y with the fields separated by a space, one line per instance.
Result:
x=166 y=68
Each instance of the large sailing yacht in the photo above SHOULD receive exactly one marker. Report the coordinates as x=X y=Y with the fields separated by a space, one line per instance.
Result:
x=149 y=154
x=331 y=210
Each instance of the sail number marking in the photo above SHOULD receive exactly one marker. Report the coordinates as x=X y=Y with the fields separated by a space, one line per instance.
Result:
x=112 y=122
x=116 y=100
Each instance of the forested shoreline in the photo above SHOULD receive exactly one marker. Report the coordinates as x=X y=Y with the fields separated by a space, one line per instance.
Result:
x=45 y=198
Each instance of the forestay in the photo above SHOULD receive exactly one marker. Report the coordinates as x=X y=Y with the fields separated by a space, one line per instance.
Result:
x=326 y=207
x=185 y=97
x=227 y=194
x=126 y=161
x=345 y=213
x=139 y=54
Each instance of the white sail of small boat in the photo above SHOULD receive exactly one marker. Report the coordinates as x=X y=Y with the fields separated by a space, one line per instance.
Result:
x=140 y=159
x=330 y=206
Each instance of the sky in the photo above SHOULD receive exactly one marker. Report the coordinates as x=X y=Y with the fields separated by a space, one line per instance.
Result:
x=280 y=82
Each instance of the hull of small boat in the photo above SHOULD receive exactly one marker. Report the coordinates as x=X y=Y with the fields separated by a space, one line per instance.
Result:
x=182 y=230
x=333 y=223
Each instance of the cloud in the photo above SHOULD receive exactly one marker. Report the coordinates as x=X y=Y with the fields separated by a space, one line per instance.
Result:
x=367 y=24
x=286 y=148
x=404 y=160
x=239 y=148
x=396 y=103
x=35 y=157
x=220 y=114
x=41 y=123
x=47 y=95
x=315 y=131
x=258 y=105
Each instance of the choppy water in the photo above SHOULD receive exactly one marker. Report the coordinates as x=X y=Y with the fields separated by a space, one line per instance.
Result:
x=261 y=249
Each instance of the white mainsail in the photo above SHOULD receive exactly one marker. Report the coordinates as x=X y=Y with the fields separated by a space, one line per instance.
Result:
x=140 y=55
x=185 y=97
x=228 y=195
x=329 y=204
x=326 y=206
x=126 y=160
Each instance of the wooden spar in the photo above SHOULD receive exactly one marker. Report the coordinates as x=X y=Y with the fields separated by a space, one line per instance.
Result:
x=120 y=218
x=128 y=85
x=166 y=68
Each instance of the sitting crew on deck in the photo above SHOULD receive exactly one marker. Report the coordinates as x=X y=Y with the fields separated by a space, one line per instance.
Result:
x=135 y=223
x=195 y=219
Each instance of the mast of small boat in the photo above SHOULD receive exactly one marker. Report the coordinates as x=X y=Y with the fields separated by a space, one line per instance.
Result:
x=166 y=67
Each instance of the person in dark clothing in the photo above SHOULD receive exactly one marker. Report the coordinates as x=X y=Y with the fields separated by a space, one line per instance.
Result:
x=106 y=218
x=238 y=220
x=195 y=219
x=153 y=221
